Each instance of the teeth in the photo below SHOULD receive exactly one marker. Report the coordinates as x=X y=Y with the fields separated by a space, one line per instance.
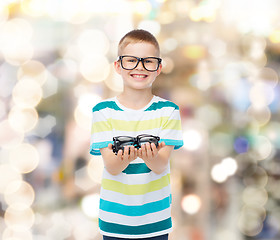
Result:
x=139 y=76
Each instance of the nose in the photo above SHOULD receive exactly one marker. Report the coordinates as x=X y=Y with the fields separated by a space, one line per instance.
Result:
x=140 y=66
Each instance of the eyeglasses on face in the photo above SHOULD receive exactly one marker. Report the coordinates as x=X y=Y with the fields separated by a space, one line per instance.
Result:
x=151 y=64
x=121 y=141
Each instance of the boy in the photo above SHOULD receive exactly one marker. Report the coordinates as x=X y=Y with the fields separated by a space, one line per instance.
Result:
x=135 y=197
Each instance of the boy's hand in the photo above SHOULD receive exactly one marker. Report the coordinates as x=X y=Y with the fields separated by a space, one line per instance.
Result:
x=149 y=151
x=129 y=154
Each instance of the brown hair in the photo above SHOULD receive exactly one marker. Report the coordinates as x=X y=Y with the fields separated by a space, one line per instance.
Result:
x=137 y=35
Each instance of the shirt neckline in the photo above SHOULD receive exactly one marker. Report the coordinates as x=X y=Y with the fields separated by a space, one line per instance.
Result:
x=134 y=110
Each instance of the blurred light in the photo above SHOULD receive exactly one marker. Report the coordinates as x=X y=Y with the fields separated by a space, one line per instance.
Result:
x=87 y=101
x=218 y=173
x=209 y=115
x=95 y=169
x=19 y=195
x=7 y=175
x=95 y=68
x=15 y=234
x=92 y=42
x=269 y=76
x=27 y=93
x=33 y=69
x=24 y=158
x=274 y=37
x=241 y=145
x=151 y=26
x=254 y=196
x=9 y=138
x=272 y=132
x=82 y=179
x=167 y=65
x=141 y=7
x=50 y=87
x=34 y=8
x=229 y=165
x=260 y=115
x=260 y=19
x=221 y=143
x=261 y=95
x=222 y=234
x=83 y=111
x=19 y=220
x=194 y=52
x=166 y=17
x=44 y=126
x=261 y=148
x=90 y=205
x=256 y=176
x=4 y=14
x=191 y=204
x=15 y=37
x=170 y=44
x=217 y=48
x=2 y=109
x=192 y=140
x=115 y=83
x=250 y=221
x=23 y=119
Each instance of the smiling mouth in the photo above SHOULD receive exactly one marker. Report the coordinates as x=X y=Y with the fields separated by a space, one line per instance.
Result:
x=139 y=76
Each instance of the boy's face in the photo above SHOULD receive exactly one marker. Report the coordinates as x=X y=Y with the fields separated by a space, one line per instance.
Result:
x=138 y=78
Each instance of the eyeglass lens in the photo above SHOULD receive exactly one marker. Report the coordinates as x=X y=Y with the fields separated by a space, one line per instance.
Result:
x=130 y=62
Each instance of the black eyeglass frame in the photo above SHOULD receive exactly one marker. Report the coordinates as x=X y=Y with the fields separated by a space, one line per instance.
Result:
x=140 y=60
x=135 y=141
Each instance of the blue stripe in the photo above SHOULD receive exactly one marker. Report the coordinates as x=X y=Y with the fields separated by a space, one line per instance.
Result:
x=176 y=143
x=137 y=168
x=134 y=211
x=135 y=230
x=161 y=104
x=94 y=148
x=106 y=104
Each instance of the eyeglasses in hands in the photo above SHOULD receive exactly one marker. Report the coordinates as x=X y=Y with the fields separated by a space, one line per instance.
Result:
x=121 y=141
x=151 y=64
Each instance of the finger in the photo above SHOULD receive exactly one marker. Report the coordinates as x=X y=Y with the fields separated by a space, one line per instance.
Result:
x=110 y=146
x=139 y=152
x=149 y=150
x=154 y=148
x=119 y=155
x=131 y=152
x=126 y=150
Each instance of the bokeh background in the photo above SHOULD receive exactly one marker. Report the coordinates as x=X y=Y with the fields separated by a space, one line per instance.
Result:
x=221 y=66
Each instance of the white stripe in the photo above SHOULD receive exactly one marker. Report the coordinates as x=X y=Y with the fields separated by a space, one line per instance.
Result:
x=135 y=199
x=135 y=178
x=134 y=221
x=136 y=236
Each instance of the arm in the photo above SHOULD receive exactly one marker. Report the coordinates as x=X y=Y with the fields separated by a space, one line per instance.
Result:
x=156 y=158
x=115 y=164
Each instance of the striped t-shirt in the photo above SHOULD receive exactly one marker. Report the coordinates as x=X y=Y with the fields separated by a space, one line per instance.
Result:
x=137 y=202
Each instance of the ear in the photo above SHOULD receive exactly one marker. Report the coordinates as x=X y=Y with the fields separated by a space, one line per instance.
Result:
x=117 y=66
x=159 y=69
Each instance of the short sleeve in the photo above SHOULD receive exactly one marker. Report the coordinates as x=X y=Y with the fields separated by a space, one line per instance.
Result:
x=101 y=131
x=171 y=130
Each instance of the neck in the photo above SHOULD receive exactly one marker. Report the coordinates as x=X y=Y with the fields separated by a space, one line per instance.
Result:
x=135 y=99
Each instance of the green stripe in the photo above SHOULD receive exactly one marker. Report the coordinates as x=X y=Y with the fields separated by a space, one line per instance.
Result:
x=135 y=230
x=136 y=189
x=133 y=211
x=107 y=104
x=161 y=104
x=137 y=168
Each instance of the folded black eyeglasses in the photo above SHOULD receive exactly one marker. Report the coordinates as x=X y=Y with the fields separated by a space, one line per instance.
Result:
x=121 y=141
